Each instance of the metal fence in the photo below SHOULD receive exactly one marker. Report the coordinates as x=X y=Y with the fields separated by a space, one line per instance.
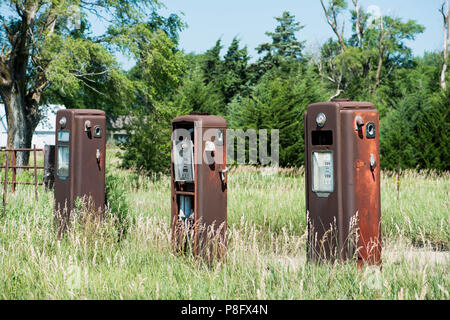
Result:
x=13 y=167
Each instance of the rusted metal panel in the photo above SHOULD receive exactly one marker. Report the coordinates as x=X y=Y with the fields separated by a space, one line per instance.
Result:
x=208 y=190
x=345 y=223
x=80 y=141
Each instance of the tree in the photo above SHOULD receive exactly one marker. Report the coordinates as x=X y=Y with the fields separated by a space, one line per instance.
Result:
x=235 y=77
x=154 y=81
x=360 y=64
x=284 y=42
x=196 y=96
x=414 y=133
x=446 y=18
x=284 y=49
x=212 y=65
x=335 y=7
x=397 y=132
x=431 y=140
x=279 y=102
x=47 y=44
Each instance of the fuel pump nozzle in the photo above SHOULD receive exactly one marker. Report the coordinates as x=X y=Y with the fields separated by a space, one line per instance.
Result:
x=222 y=174
x=373 y=163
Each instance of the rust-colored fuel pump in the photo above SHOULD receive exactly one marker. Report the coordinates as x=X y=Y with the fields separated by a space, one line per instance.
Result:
x=80 y=161
x=199 y=185
x=342 y=158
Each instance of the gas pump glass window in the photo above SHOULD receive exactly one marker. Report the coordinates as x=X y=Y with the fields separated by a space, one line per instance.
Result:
x=63 y=162
x=322 y=167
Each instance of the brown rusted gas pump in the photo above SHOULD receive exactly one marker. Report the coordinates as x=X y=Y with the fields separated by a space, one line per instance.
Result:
x=199 y=185
x=80 y=161
x=342 y=158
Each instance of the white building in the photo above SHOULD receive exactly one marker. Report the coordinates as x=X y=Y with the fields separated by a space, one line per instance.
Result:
x=45 y=130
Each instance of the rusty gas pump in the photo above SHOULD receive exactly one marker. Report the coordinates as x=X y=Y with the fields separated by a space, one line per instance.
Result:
x=199 y=185
x=80 y=161
x=342 y=156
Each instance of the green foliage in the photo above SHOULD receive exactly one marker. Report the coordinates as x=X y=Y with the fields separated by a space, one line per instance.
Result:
x=284 y=42
x=362 y=67
x=68 y=65
x=284 y=50
x=159 y=65
x=432 y=139
x=117 y=204
x=414 y=134
x=278 y=103
x=235 y=76
x=212 y=65
x=147 y=147
x=198 y=95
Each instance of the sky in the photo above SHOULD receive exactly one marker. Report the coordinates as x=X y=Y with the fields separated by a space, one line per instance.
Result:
x=248 y=20
x=209 y=20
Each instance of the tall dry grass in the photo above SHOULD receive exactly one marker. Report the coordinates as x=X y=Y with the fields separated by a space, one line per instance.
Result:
x=266 y=246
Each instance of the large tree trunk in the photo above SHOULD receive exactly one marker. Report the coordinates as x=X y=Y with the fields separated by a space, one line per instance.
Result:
x=21 y=124
x=20 y=106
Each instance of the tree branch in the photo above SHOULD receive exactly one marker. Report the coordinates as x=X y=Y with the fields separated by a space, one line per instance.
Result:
x=12 y=37
x=93 y=89
x=380 y=57
x=80 y=75
x=5 y=76
x=332 y=21
x=359 y=30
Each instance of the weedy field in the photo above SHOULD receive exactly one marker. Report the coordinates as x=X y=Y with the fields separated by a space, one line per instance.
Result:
x=129 y=255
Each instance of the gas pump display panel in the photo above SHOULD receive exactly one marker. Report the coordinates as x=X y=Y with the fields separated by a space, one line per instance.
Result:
x=63 y=162
x=63 y=136
x=184 y=160
x=322 y=172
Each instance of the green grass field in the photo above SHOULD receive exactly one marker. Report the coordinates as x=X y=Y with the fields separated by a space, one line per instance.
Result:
x=266 y=245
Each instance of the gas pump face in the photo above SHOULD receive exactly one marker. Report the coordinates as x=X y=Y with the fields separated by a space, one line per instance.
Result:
x=199 y=193
x=322 y=172
x=343 y=181
x=183 y=147
x=79 y=160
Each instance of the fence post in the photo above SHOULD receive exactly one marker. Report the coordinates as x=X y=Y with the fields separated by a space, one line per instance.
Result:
x=5 y=183
x=14 y=164
x=35 y=174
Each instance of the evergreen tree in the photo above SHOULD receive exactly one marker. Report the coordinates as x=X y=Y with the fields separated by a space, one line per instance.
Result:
x=431 y=139
x=284 y=48
x=196 y=96
x=279 y=103
x=235 y=78
x=211 y=64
